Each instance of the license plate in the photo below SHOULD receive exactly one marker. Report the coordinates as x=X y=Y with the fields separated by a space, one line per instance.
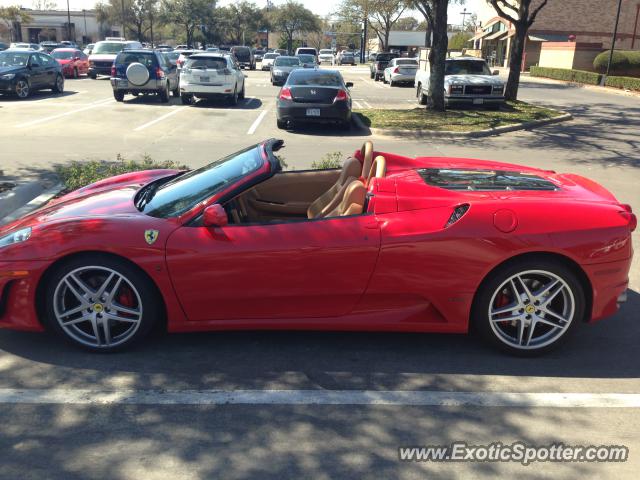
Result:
x=123 y=83
x=313 y=112
x=204 y=79
x=478 y=101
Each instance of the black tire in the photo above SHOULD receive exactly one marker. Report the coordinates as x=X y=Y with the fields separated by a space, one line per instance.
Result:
x=241 y=95
x=118 y=95
x=75 y=73
x=371 y=74
x=186 y=99
x=149 y=302
x=480 y=322
x=253 y=67
x=58 y=85
x=422 y=98
x=164 y=94
x=93 y=76
x=176 y=91
x=233 y=98
x=282 y=124
x=22 y=88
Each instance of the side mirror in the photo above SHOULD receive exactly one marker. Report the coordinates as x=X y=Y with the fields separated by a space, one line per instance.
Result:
x=495 y=72
x=215 y=216
x=349 y=84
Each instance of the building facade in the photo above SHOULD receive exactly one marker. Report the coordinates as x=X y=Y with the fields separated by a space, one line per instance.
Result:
x=583 y=21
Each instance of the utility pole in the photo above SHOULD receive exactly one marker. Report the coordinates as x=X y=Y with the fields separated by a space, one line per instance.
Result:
x=613 y=42
x=68 y=22
x=464 y=14
x=84 y=14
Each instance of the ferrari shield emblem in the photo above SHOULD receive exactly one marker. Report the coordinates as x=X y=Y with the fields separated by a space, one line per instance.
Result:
x=151 y=236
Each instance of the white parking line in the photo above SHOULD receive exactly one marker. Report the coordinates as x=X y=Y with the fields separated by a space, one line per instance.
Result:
x=173 y=111
x=54 y=117
x=256 y=123
x=357 y=104
x=367 y=104
x=319 y=397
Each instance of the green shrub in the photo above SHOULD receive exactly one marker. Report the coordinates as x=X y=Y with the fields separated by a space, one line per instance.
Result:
x=569 y=75
x=80 y=174
x=629 y=83
x=330 y=160
x=623 y=63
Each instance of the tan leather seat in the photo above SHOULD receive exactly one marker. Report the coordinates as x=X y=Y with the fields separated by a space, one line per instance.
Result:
x=351 y=169
x=366 y=152
x=352 y=202
x=378 y=169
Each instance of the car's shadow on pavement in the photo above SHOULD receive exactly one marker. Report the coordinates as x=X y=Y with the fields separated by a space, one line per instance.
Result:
x=35 y=96
x=606 y=349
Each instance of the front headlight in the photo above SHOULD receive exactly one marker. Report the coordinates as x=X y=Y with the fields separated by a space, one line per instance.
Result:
x=498 y=89
x=18 y=236
x=278 y=72
x=8 y=76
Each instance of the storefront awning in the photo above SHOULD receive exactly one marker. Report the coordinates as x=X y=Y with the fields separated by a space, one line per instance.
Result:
x=531 y=38
x=497 y=36
x=478 y=36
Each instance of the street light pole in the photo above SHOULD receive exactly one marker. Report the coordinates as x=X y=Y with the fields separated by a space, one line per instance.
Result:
x=123 y=27
x=613 y=42
x=464 y=14
x=68 y=22
x=84 y=14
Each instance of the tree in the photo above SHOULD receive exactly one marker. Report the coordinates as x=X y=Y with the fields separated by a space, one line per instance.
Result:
x=239 y=22
x=189 y=14
x=293 y=18
x=383 y=14
x=12 y=16
x=435 y=13
x=522 y=17
x=459 y=41
x=407 y=24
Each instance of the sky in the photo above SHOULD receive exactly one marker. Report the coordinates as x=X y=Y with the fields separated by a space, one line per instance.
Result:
x=321 y=7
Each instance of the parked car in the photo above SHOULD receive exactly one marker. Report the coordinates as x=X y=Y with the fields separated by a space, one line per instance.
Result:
x=213 y=49
x=307 y=61
x=307 y=51
x=281 y=51
x=143 y=71
x=73 y=61
x=183 y=47
x=258 y=53
x=467 y=81
x=172 y=57
x=400 y=70
x=326 y=55
x=105 y=52
x=244 y=55
x=50 y=46
x=212 y=75
x=23 y=45
x=380 y=63
x=346 y=58
x=23 y=71
x=88 y=49
x=165 y=48
x=267 y=60
x=184 y=55
x=69 y=44
x=282 y=67
x=314 y=96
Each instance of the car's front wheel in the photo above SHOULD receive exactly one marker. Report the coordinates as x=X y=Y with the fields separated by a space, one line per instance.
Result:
x=422 y=98
x=58 y=86
x=100 y=303
x=529 y=307
x=23 y=89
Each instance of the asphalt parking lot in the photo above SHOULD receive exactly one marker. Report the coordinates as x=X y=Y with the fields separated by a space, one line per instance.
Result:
x=325 y=437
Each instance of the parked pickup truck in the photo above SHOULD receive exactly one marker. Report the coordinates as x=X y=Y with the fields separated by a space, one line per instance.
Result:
x=468 y=81
x=380 y=63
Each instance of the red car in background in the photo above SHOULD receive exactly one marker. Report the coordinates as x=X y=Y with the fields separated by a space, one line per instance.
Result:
x=73 y=61
x=519 y=255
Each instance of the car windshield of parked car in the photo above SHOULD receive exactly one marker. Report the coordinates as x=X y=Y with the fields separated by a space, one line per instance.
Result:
x=206 y=63
x=466 y=67
x=173 y=56
x=385 y=57
x=286 y=62
x=315 y=78
x=13 y=59
x=307 y=58
x=62 y=55
x=184 y=192
x=108 y=48
x=126 y=58
x=406 y=61
x=326 y=52
x=269 y=56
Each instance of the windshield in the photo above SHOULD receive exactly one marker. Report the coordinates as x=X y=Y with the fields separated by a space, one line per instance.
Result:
x=13 y=59
x=270 y=55
x=406 y=62
x=307 y=51
x=385 y=57
x=108 y=47
x=317 y=78
x=181 y=194
x=286 y=62
x=466 y=67
x=208 y=63
x=62 y=55
x=307 y=58
x=325 y=52
x=172 y=55
x=147 y=59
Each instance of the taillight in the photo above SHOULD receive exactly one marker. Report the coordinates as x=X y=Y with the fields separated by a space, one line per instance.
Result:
x=159 y=72
x=396 y=70
x=113 y=71
x=630 y=218
x=285 y=94
x=179 y=62
x=457 y=214
x=341 y=96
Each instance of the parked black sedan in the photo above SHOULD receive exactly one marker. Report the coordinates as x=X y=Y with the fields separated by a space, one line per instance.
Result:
x=24 y=71
x=314 y=96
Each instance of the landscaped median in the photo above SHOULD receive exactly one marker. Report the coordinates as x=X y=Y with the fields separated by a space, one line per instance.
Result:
x=459 y=122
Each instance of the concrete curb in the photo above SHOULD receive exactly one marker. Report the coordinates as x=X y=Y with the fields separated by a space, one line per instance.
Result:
x=384 y=132
x=32 y=204
x=19 y=195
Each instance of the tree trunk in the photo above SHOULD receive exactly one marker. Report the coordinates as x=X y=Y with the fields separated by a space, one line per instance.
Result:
x=437 y=56
x=139 y=27
x=515 y=62
x=427 y=37
x=386 y=40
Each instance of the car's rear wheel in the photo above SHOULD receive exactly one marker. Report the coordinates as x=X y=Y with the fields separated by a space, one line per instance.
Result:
x=422 y=98
x=242 y=93
x=75 y=73
x=23 y=89
x=118 y=95
x=165 y=93
x=282 y=124
x=93 y=76
x=186 y=99
x=529 y=307
x=58 y=86
x=100 y=303
x=233 y=99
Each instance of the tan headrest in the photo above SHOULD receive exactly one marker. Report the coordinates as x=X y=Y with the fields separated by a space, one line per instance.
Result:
x=366 y=152
x=378 y=169
x=351 y=168
x=352 y=202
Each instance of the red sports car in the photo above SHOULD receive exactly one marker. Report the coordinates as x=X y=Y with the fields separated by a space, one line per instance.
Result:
x=387 y=243
x=73 y=61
